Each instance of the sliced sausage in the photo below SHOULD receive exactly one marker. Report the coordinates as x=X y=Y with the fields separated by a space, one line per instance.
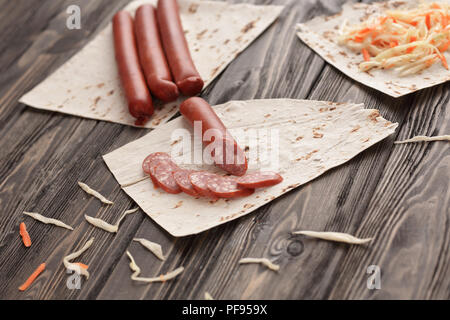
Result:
x=227 y=187
x=151 y=55
x=154 y=158
x=163 y=174
x=199 y=181
x=259 y=179
x=182 y=179
x=137 y=94
x=176 y=48
x=231 y=158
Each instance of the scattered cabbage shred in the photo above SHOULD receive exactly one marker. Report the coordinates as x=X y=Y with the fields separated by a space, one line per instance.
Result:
x=161 y=278
x=407 y=41
x=334 y=236
x=264 y=261
x=94 y=193
x=46 y=220
x=113 y=228
x=73 y=266
x=152 y=247
x=425 y=139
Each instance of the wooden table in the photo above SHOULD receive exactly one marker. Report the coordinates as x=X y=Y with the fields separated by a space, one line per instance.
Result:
x=397 y=194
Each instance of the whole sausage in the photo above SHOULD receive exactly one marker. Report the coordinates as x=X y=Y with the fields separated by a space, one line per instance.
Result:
x=232 y=159
x=138 y=96
x=151 y=55
x=176 y=48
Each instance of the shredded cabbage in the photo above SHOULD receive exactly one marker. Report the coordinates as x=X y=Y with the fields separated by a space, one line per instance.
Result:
x=408 y=41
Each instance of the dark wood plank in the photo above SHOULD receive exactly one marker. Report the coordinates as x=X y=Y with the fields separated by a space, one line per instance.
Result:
x=399 y=194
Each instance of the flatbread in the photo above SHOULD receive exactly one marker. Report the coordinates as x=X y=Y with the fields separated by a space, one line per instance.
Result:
x=321 y=34
x=303 y=139
x=88 y=85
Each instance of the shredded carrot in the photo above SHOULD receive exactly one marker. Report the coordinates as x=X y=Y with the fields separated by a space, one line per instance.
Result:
x=413 y=23
x=412 y=39
x=428 y=21
x=444 y=21
x=444 y=47
x=435 y=6
x=358 y=39
x=24 y=234
x=444 y=61
x=366 y=54
x=33 y=276
x=393 y=44
x=429 y=62
x=82 y=265
x=365 y=30
x=410 y=49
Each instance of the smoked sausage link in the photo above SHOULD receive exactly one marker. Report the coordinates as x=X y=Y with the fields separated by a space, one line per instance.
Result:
x=139 y=100
x=176 y=48
x=197 y=109
x=151 y=55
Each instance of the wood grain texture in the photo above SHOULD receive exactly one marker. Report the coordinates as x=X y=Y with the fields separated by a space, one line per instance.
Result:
x=398 y=194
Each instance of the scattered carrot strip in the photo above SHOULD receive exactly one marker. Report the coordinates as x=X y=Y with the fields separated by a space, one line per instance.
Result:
x=413 y=23
x=412 y=39
x=33 y=276
x=444 y=61
x=410 y=49
x=24 y=234
x=82 y=265
x=428 y=21
x=366 y=54
x=358 y=39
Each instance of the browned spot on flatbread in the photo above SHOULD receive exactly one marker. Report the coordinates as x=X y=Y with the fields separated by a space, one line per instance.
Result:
x=248 y=27
x=248 y=205
x=100 y=85
x=201 y=34
x=365 y=140
x=226 y=41
x=342 y=53
x=179 y=204
x=193 y=8
x=156 y=122
x=239 y=39
x=246 y=148
x=374 y=115
x=215 y=70
x=267 y=115
x=292 y=186
x=316 y=134
x=298 y=138
x=330 y=56
x=308 y=155
x=97 y=100
x=110 y=93
x=175 y=142
x=355 y=129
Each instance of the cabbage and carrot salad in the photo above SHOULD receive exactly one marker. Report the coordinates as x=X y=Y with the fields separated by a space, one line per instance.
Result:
x=407 y=41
